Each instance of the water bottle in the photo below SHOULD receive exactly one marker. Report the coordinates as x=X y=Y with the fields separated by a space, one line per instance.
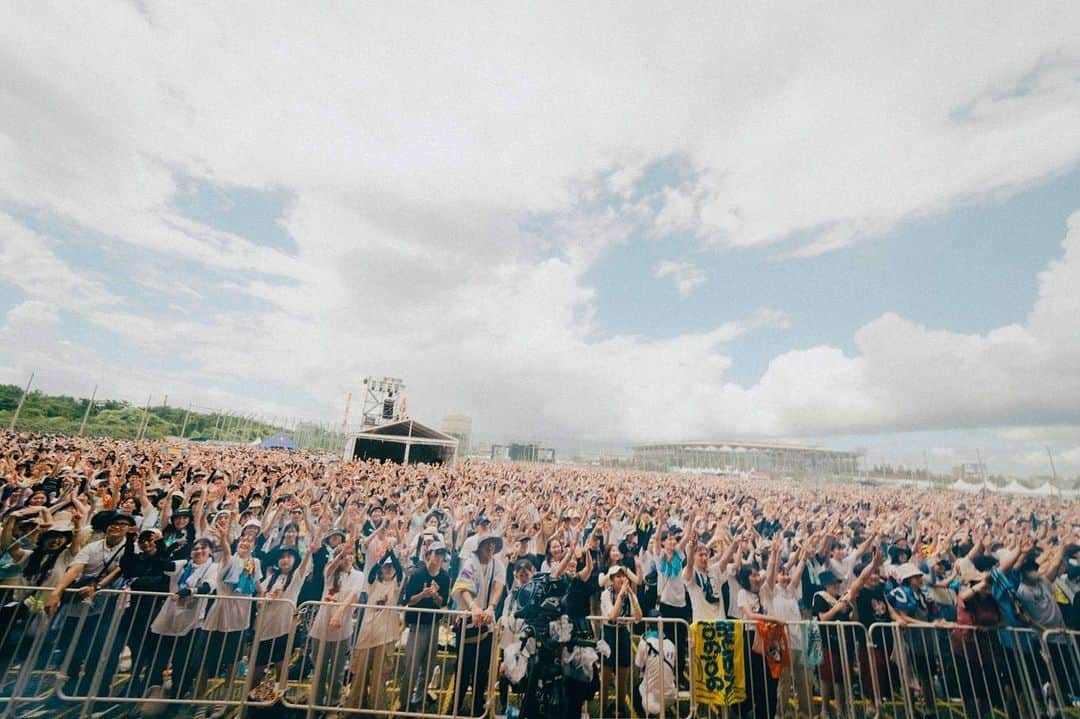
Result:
x=241 y=671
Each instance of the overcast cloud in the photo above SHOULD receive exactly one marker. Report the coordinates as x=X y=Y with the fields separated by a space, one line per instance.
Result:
x=454 y=174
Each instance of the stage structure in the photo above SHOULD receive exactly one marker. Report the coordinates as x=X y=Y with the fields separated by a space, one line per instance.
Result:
x=730 y=457
x=405 y=442
x=382 y=398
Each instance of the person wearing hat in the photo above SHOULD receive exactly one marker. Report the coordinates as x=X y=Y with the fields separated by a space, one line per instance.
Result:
x=981 y=662
x=618 y=606
x=57 y=546
x=831 y=605
x=20 y=533
x=332 y=540
x=378 y=634
x=478 y=589
x=45 y=565
x=427 y=588
x=519 y=575
x=275 y=620
x=332 y=627
x=95 y=568
x=146 y=570
x=179 y=529
x=915 y=609
x=483 y=529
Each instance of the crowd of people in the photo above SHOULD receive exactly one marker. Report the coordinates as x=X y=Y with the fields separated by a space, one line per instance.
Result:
x=190 y=565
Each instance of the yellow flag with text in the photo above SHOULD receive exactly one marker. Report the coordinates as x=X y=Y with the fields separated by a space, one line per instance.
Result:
x=719 y=672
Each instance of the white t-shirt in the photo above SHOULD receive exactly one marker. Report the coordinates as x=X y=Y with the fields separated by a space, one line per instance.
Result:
x=231 y=611
x=670 y=582
x=784 y=603
x=351 y=583
x=177 y=617
x=97 y=556
x=711 y=581
x=657 y=674
x=747 y=599
x=275 y=618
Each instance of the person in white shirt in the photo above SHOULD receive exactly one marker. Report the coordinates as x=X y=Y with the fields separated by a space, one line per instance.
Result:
x=618 y=606
x=782 y=592
x=478 y=589
x=190 y=584
x=671 y=592
x=220 y=638
x=379 y=632
x=657 y=693
x=332 y=627
x=86 y=623
x=705 y=578
x=275 y=620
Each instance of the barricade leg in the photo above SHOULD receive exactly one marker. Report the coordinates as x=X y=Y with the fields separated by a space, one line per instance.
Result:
x=328 y=671
x=419 y=661
x=474 y=662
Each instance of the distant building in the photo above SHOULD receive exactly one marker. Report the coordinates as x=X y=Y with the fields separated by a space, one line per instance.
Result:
x=721 y=456
x=523 y=452
x=459 y=426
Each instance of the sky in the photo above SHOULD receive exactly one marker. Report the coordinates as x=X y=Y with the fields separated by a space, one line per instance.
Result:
x=850 y=224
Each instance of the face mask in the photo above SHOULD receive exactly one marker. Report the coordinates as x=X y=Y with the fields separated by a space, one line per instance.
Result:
x=1073 y=571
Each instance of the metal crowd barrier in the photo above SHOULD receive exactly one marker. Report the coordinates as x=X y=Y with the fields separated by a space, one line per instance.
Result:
x=373 y=660
x=103 y=651
x=1061 y=651
x=433 y=664
x=645 y=667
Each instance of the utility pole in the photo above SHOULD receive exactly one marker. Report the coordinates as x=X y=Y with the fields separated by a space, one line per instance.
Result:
x=146 y=419
x=982 y=471
x=86 y=415
x=345 y=419
x=1053 y=471
x=18 y=409
x=183 y=429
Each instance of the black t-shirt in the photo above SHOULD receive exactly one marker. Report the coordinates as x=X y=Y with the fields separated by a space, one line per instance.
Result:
x=420 y=579
x=830 y=634
x=872 y=607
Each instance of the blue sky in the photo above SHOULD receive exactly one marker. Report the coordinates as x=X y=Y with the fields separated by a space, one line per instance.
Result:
x=969 y=270
x=731 y=229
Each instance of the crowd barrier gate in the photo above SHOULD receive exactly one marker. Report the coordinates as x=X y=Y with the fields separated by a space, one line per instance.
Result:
x=103 y=652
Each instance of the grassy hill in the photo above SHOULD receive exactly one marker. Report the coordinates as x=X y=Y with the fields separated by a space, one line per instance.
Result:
x=112 y=418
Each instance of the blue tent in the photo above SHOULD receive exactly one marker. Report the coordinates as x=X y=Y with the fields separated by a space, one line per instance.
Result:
x=278 y=441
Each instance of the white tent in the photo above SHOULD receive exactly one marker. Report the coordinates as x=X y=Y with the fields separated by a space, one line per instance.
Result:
x=962 y=486
x=1046 y=490
x=1014 y=487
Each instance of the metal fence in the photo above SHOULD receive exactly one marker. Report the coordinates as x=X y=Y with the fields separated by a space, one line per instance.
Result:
x=321 y=658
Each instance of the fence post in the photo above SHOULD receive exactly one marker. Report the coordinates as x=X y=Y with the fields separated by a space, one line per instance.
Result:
x=18 y=408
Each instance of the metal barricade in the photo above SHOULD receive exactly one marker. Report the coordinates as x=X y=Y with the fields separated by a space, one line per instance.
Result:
x=963 y=670
x=1061 y=654
x=644 y=666
x=794 y=669
x=101 y=649
x=29 y=669
x=373 y=660
x=130 y=647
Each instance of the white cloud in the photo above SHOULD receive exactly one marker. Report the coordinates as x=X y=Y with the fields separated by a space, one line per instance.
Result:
x=417 y=152
x=685 y=275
